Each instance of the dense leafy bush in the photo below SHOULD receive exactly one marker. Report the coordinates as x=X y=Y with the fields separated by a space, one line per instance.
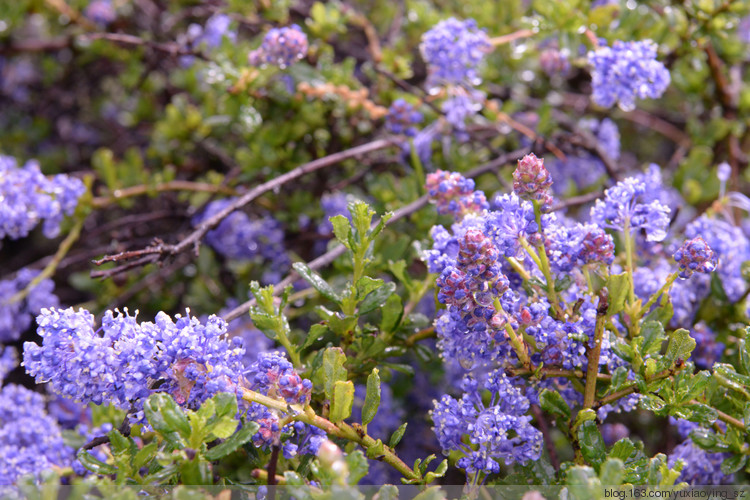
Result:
x=323 y=244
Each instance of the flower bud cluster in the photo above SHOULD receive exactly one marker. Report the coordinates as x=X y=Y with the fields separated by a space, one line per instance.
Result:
x=454 y=194
x=695 y=256
x=402 y=118
x=531 y=181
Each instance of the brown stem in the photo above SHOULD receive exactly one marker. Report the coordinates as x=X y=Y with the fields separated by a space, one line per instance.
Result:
x=592 y=370
x=548 y=442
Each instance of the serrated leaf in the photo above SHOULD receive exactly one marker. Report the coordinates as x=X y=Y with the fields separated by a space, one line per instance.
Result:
x=341 y=403
x=726 y=375
x=366 y=285
x=592 y=443
x=552 y=402
x=397 y=435
x=358 y=466
x=612 y=472
x=622 y=449
x=333 y=369
x=618 y=286
x=372 y=398
x=119 y=444
x=376 y=298
x=392 y=312
x=701 y=413
x=316 y=281
x=242 y=436
x=681 y=344
x=341 y=229
x=623 y=350
x=361 y=218
x=653 y=336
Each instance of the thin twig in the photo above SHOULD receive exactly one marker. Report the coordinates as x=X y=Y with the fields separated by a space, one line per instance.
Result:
x=548 y=442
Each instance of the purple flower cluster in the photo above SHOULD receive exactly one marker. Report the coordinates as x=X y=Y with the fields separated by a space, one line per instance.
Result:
x=460 y=106
x=240 y=237
x=695 y=256
x=274 y=376
x=30 y=440
x=707 y=349
x=8 y=361
x=208 y=36
x=454 y=194
x=625 y=72
x=402 y=118
x=27 y=198
x=554 y=62
x=498 y=432
x=126 y=361
x=699 y=466
x=281 y=47
x=453 y=50
x=531 y=181
x=626 y=206
x=16 y=317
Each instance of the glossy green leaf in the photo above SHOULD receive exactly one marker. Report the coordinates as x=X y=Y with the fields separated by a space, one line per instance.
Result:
x=392 y=312
x=397 y=435
x=618 y=286
x=341 y=229
x=341 y=403
x=167 y=419
x=229 y=445
x=552 y=402
x=94 y=464
x=592 y=444
x=372 y=398
x=681 y=344
x=376 y=298
x=333 y=369
x=316 y=281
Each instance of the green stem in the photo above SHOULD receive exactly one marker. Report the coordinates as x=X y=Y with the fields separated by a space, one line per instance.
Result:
x=340 y=430
x=727 y=419
x=630 y=389
x=517 y=344
x=418 y=168
x=50 y=269
x=629 y=261
x=425 y=333
x=544 y=262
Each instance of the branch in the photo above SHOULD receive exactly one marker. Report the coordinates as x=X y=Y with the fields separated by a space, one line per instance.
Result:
x=161 y=250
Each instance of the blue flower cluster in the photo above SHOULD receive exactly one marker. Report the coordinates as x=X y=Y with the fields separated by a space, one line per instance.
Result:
x=625 y=72
x=102 y=12
x=402 y=118
x=240 y=237
x=281 y=47
x=28 y=198
x=30 y=440
x=628 y=207
x=8 y=361
x=16 y=317
x=129 y=361
x=453 y=50
x=498 y=432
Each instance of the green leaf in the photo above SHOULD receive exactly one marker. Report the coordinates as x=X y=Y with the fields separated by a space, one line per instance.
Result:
x=242 y=436
x=316 y=281
x=612 y=472
x=623 y=350
x=94 y=464
x=333 y=369
x=653 y=336
x=622 y=449
x=119 y=444
x=358 y=466
x=316 y=331
x=341 y=404
x=196 y=472
x=439 y=471
x=145 y=455
x=372 y=399
x=681 y=344
x=618 y=286
x=584 y=416
x=652 y=402
x=392 y=312
x=376 y=450
x=733 y=464
x=376 y=298
x=552 y=402
x=726 y=375
x=361 y=218
x=592 y=444
x=397 y=435
x=701 y=413
x=341 y=229
x=366 y=285
x=167 y=419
